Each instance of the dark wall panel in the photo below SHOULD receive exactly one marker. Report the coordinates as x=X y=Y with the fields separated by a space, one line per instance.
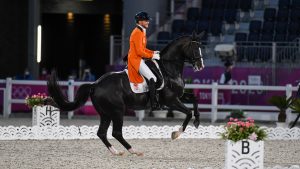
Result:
x=13 y=37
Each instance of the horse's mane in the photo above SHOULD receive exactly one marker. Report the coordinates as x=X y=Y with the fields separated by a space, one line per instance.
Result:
x=166 y=48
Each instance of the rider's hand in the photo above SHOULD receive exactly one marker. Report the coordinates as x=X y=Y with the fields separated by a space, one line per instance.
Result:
x=156 y=56
x=156 y=51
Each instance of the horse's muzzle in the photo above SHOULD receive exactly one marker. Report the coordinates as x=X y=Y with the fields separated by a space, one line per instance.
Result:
x=198 y=66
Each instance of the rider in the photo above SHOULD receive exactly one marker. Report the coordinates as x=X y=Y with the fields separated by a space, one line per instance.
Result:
x=138 y=52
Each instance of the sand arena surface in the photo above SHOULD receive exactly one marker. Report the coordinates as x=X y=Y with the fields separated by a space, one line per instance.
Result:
x=158 y=153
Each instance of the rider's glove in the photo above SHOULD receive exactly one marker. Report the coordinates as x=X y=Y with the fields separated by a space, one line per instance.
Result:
x=156 y=56
x=157 y=52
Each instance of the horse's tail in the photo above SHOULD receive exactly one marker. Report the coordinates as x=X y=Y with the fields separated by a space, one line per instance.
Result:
x=55 y=92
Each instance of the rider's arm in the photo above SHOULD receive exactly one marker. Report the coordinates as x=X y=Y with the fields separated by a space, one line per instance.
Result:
x=141 y=50
x=149 y=51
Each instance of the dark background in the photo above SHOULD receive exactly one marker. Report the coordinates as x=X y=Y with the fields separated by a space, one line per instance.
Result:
x=63 y=42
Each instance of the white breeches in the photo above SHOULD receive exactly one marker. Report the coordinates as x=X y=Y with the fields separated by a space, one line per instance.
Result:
x=145 y=71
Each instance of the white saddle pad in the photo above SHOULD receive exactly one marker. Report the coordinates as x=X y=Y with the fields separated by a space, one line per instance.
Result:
x=143 y=87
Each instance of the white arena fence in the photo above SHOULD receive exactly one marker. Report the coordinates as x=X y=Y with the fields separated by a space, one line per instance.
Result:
x=130 y=132
x=214 y=87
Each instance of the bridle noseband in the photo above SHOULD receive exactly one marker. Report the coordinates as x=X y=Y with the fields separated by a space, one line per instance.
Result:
x=194 y=59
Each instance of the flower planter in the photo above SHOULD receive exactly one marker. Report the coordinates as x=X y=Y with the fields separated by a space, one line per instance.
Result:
x=45 y=116
x=160 y=113
x=281 y=124
x=244 y=154
x=179 y=115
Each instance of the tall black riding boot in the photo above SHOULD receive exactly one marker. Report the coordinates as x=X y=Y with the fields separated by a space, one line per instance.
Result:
x=152 y=93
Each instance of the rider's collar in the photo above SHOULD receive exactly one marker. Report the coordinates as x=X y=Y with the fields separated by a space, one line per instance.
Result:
x=143 y=29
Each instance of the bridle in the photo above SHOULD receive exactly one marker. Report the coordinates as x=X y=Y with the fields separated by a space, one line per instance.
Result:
x=194 y=58
x=177 y=61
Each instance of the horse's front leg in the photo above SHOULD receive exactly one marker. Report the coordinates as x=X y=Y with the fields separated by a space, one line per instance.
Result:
x=178 y=105
x=190 y=98
x=195 y=108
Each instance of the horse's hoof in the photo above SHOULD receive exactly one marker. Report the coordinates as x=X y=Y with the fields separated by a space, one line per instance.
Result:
x=196 y=123
x=121 y=153
x=175 y=135
x=118 y=153
x=140 y=154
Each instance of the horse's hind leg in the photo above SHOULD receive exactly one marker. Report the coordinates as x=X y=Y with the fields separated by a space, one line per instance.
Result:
x=117 y=134
x=102 y=134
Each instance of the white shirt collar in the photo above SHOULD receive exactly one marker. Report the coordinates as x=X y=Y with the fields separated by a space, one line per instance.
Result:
x=144 y=29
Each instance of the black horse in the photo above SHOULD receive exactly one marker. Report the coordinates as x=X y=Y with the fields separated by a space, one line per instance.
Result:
x=111 y=93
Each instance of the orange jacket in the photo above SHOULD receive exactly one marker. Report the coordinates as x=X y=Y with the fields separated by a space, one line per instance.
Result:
x=137 y=52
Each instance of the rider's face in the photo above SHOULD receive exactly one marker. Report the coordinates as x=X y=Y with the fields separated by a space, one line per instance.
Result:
x=145 y=23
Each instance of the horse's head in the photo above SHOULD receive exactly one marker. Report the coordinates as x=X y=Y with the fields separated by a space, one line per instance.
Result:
x=192 y=51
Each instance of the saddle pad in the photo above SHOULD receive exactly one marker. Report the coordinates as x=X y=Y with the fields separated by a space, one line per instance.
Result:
x=143 y=87
x=138 y=87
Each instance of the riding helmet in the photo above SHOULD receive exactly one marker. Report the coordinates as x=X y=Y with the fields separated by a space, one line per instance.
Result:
x=142 y=16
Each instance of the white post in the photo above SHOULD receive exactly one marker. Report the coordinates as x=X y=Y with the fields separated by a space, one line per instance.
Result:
x=70 y=96
x=288 y=112
x=7 y=98
x=111 y=50
x=172 y=8
x=214 y=102
x=157 y=21
x=140 y=114
x=273 y=63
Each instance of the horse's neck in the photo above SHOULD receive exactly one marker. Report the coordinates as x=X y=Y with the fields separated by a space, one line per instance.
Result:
x=172 y=61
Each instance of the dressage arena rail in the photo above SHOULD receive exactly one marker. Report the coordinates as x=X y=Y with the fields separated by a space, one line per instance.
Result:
x=130 y=132
x=214 y=87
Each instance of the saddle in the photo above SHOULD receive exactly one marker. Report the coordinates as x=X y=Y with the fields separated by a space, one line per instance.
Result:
x=143 y=87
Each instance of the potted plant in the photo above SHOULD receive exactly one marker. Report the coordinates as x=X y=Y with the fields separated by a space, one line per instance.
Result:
x=282 y=103
x=42 y=114
x=295 y=106
x=237 y=114
x=245 y=140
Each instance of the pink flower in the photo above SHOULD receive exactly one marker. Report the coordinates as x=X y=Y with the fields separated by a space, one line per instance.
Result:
x=241 y=124
x=236 y=120
x=229 y=123
x=253 y=137
x=230 y=119
x=250 y=119
x=248 y=124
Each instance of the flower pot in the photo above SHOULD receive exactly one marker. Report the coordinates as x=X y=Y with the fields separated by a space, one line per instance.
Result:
x=178 y=115
x=281 y=124
x=140 y=114
x=244 y=154
x=160 y=113
x=45 y=116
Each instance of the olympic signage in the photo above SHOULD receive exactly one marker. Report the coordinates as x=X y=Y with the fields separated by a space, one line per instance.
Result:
x=240 y=76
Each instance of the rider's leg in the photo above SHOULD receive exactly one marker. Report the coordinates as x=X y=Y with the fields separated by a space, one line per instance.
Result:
x=146 y=72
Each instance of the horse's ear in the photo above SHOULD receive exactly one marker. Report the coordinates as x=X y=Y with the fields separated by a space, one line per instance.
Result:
x=200 y=35
x=194 y=34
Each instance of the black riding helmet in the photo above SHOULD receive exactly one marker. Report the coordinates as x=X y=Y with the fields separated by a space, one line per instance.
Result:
x=142 y=16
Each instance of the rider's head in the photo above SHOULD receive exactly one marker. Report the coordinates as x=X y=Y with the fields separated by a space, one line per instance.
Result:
x=142 y=18
x=229 y=65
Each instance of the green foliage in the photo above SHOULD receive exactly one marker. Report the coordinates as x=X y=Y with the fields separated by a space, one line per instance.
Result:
x=36 y=100
x=236 y=130
x=295 y=106
x=282 y=103
x=188 y=80
x=239 y=114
